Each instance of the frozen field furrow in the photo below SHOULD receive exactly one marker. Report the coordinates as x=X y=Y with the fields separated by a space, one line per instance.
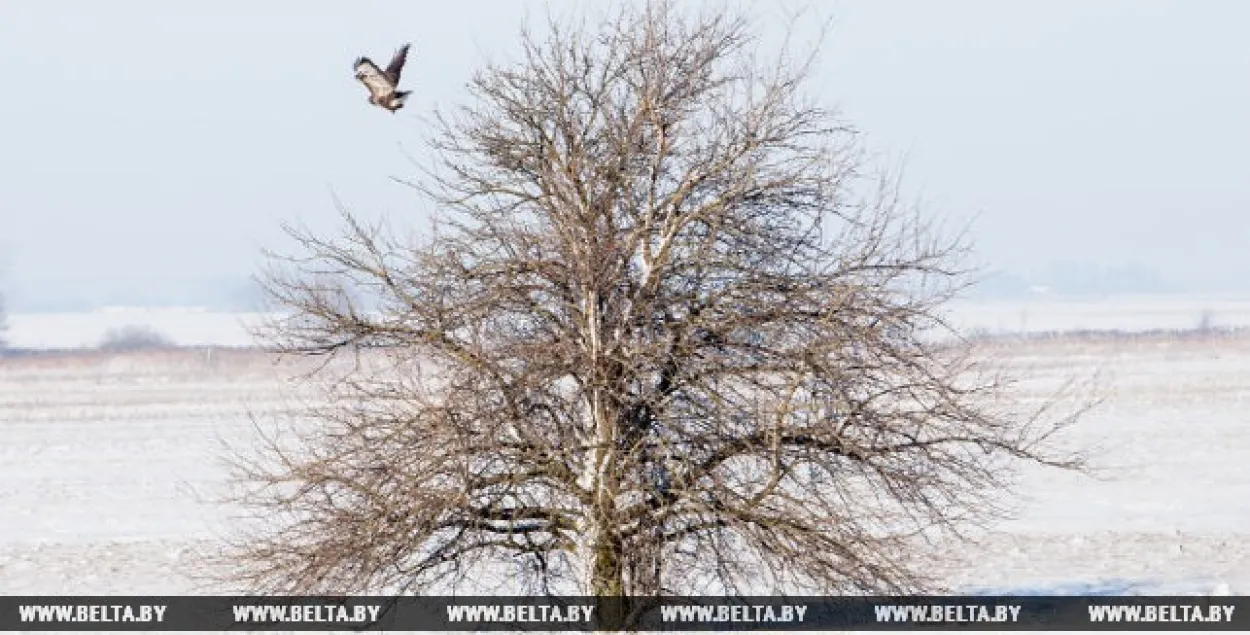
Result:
x=111 y=466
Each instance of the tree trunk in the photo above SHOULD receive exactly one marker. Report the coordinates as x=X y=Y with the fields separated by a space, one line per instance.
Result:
x=607 y=579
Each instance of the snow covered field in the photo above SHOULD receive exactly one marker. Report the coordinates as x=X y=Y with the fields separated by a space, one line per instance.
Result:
x=110 y=462
x=1131 y=313
x=188 y=326
x=192 y=326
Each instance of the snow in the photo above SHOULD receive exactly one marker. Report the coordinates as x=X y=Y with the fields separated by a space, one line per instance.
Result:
x=111 y=463
x=1165 y=513
x=1131 y=313
x=193 y=326
x=187 y=326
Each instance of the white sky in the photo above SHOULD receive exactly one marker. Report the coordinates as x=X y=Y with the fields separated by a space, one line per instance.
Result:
x=150 y=147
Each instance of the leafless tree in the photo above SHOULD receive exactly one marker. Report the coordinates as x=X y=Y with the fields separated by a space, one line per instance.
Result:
x=670 y=334
x=4 y=323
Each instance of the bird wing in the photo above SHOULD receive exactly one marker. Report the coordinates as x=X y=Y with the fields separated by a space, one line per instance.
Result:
x=373 y=78
x=397 y=64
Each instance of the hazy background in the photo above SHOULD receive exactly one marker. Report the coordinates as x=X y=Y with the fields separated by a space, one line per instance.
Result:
x=149 y=149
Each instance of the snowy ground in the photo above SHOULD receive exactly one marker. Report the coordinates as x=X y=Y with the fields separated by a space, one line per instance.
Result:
x=188 y=326
x=1132 y=313
x=191 y=326
x=109 y=464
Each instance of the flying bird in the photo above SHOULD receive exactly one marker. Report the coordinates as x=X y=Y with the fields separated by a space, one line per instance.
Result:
x=383 y=85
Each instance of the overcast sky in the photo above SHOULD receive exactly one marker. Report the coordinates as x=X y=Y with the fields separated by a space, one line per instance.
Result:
x=150 y=148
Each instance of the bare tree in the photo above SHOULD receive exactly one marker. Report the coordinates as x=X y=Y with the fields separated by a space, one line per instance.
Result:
x=669 y=335
x=4 y=324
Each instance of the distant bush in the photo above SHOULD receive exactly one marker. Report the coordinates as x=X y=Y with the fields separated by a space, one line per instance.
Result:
x=1206 y=321
x=134 y=337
